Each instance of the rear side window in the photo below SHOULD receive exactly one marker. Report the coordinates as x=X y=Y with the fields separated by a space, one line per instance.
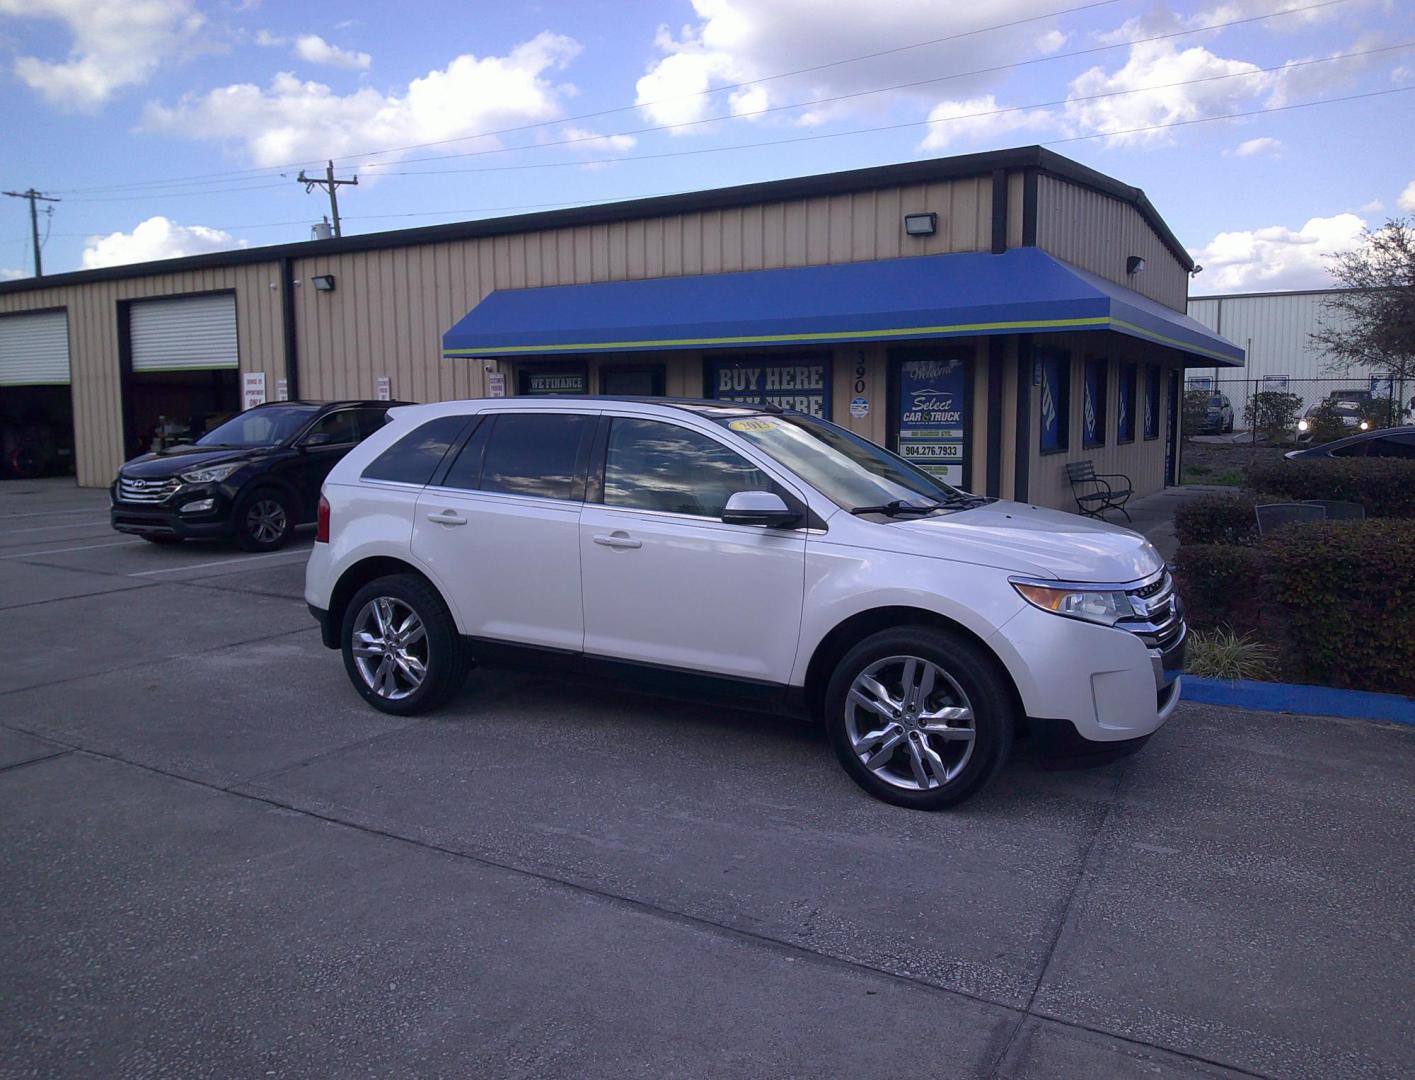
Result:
x=535 y=454
x=415 y=457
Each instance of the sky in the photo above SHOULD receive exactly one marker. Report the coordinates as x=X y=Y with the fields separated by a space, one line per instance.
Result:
x=1268 y=133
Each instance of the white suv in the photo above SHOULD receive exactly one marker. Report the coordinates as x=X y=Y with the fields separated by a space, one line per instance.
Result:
x=766 y=558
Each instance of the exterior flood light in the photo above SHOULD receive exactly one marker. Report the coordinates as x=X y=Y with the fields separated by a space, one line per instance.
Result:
x=921 y=224
x=323 y=282
x=1134 y=264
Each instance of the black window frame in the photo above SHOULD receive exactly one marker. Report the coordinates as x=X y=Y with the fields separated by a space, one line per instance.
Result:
x=477 y=441
x=1128 y=400
x=1093 y=363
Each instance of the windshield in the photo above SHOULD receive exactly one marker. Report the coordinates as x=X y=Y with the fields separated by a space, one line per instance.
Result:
x=845 y=468
x=259 y=427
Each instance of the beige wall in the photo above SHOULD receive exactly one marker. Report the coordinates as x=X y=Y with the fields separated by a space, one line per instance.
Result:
x=1097 y=233
x=93 y=346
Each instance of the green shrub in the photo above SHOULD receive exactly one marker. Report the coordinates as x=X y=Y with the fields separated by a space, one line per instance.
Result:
x=1195 y=415
x=1273 y=415
x=1220 y=584
x=1217 y=519
x=1341 y=595
x=1226 y=654
x=1385 y=486
x=1326 y=423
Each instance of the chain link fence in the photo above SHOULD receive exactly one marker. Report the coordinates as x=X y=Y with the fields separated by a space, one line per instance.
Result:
x=1269 y=409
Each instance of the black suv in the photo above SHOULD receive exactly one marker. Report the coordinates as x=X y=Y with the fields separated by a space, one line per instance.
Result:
x=251 y=480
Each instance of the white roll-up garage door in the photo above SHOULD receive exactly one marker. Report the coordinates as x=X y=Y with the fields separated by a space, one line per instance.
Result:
x=196 y=333
x=34 y=349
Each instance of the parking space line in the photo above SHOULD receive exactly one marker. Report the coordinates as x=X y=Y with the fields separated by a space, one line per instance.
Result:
x=46 y=528
x=219 y=562
x=60 y=551
x=43 y=513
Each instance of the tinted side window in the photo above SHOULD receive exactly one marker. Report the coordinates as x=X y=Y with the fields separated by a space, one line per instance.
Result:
x=650 y=465
x=534 y=454
x=415 y=457
x=370 y=420
x=335 y=429
x=1396 y=446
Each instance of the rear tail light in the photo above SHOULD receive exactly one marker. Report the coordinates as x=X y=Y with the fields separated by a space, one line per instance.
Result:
x=321 y=532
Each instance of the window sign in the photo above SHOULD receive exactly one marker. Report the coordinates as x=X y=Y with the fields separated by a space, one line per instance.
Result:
x=792 y=383
x=252 y=389
x=1269 y=383
x=933 y=430
x=1152 y=402
x=1125 y=407
x=1055 y=400
x=554 y=382
x=1199 y=382
x=1093 y=413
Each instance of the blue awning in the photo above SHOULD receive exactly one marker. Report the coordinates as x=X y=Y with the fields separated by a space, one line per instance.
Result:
x=1023 y=290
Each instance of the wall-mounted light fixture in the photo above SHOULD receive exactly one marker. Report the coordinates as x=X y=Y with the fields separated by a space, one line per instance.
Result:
x=921 y=224
x=1197 y=270
x=1134 y=264
x=323 y=282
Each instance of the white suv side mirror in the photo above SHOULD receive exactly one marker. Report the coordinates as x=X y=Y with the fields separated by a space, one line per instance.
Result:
x=758 y=508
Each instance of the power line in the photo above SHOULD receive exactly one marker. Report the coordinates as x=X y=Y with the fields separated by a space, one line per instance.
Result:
x=330 y=185
x=35 y=198
x=262 y=172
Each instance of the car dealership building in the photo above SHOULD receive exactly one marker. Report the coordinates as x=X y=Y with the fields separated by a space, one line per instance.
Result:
x=991 y=317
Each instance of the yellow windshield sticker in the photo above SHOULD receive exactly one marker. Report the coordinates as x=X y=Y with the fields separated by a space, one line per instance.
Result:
x=756 y=424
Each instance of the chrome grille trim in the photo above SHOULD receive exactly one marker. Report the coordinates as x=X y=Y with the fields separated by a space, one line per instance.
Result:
x=1160 y=618
x=147 y=491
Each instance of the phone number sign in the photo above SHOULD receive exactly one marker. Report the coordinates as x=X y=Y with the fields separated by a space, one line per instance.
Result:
x=933 y=427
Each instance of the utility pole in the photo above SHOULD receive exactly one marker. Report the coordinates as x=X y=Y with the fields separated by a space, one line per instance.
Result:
x=34 y=197
x=330 y=185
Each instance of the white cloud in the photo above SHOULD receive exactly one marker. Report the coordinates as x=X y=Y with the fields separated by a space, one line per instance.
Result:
x=316 y=50
x=1407 y=197
x=734 y=41
x=1375 y=206
x=7 y=274
x=1277 y=257
x=116 y=43
x=964 y=121
x=1051 y=42
x=291 y=119
x=155 y=238
x=584 y=139
x=1263 y=144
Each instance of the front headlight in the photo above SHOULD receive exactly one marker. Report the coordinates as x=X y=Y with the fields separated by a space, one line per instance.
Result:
x=1104 y=606
x=212 y=474
x=1365 y=426
x=1302 y=425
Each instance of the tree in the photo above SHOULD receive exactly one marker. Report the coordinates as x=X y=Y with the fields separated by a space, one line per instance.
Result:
x=1372 y=324
x=1272 y=414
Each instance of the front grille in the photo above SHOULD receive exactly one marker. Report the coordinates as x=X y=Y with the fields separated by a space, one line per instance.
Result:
x=147 y=491
x=1163 y=624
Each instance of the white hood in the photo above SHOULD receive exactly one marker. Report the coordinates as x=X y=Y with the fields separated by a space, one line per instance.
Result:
x=1027 y=540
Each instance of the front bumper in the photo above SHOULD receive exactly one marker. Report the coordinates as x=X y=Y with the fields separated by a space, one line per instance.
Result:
x=166 y=518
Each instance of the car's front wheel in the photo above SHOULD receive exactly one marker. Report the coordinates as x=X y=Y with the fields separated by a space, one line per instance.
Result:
x=919 y=717
x=401 y=646
x=264 y=520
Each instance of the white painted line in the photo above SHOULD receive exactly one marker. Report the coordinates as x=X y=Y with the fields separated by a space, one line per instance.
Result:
x=47 y=528
x=43 y=513
x=220 y=562
x=60 y=551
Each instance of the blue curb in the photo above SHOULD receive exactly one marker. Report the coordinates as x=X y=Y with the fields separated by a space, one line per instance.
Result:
x=1292 y=698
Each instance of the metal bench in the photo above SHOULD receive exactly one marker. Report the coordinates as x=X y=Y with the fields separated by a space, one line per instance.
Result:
x=1274 y=515
x=1094 y=492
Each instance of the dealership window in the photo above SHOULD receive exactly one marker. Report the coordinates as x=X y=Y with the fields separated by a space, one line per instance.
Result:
x=1152 y=402
x=533 y=454
x=1125 y=404
x=1055 y=365
x=1093 y=411
x=650 y=465
x=795 y=382
x=415 y=457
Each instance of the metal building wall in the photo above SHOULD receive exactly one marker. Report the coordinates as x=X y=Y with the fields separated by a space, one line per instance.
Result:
x=1097 y=233
x=94 y=345
x=1275 y=330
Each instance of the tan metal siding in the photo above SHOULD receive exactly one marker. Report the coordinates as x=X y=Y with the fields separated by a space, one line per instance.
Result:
x=1097 y=233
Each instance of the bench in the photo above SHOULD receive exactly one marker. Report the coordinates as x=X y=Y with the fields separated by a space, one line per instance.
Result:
x=1094 y=492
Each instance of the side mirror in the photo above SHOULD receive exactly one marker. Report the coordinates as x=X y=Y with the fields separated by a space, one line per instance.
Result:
x=759 y=508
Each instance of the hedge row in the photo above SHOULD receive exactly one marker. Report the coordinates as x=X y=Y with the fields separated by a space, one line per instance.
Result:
x=1337 y=597
x=1219 y=519
x=1384 y=486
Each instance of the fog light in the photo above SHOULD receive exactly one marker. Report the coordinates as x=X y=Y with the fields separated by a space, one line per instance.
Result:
x=198 y=506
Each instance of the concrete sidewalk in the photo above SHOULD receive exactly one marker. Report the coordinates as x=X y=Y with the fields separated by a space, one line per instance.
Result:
x=1153 y=515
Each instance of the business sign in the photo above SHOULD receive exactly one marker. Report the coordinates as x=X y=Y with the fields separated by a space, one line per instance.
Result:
x=1152 y=402
x=1125 y=407
x=1272 y=383
x=383 y=388
x=859 y=407
x=282 y=389
x=1093 y=408
x=555 y=382
x=1382 y=386
x=803 y=385
x=252 y=389
x=1055 y=399
x=495 y=384
x=933 y=424
x=1199 y=382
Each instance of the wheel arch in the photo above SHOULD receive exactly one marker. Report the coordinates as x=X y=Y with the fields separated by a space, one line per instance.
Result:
x=359 y=574
x=846 y=634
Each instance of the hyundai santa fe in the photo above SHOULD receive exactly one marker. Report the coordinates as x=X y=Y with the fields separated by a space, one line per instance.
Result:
x=754 y=556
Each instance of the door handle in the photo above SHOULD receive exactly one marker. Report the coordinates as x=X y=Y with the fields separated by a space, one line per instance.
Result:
x=447 y=517
x=617 y=540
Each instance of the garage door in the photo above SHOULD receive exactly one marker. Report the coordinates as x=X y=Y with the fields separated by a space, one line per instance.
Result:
x=196 y=333
x=34 y=349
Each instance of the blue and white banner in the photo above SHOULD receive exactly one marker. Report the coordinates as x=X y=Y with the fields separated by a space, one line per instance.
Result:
x=933 y=428
x=1093 y=415
x=1055 y=392
x=803 y=385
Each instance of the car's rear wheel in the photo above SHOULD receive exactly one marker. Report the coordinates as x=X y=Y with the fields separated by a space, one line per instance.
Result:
x=401 y=646
x=919 y=717
x=264 y=521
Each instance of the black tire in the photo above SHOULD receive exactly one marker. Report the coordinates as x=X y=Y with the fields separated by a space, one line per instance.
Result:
x=264 y=520
x=163 y=541
x=442 y=653
x=968 y=668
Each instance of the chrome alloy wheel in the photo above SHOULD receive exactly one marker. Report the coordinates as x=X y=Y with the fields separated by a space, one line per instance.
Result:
x=390 y=647
x=266 y=521
x=910 y=723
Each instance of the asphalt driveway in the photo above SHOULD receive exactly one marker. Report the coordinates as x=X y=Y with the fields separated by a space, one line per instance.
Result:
x=217 y=861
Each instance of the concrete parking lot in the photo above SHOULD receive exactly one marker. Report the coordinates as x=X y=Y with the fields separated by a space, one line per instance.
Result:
x=217 y=861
